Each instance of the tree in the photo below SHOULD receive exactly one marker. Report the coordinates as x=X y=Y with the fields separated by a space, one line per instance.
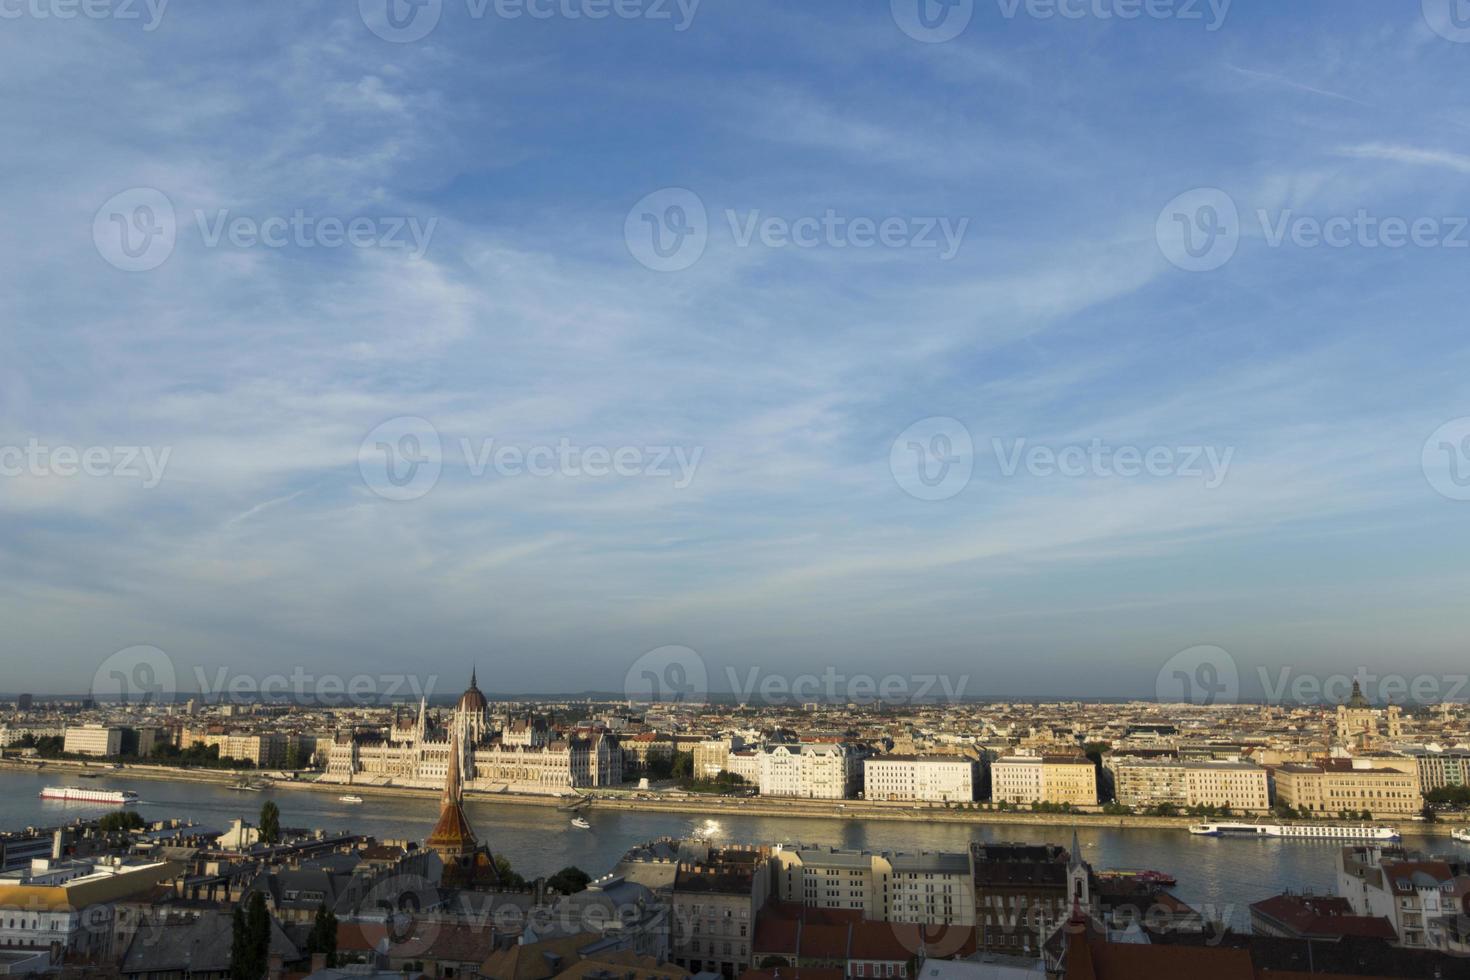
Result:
x=270 y=822
x=508 y=876
x=258 y=935
x=239 y=947
x=250 y=939
x=569 y=880
x=683 y=765
x=323 y=936
x=119 y=822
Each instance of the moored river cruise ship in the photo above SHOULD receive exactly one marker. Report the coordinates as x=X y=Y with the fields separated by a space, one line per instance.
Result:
x=1295 y=831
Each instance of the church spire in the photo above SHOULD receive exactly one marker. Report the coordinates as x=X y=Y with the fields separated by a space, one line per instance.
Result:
x=452 y=836
x=453 y=785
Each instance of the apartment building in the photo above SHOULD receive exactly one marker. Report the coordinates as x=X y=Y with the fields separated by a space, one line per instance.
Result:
x=69 y=904
x=817 y=771
x=712 y=755
x=715 y=901
x=1028 y=779
x=1354 y=785
x=1423 y=898
x=1241 y=786
x=745 y=763
x=15 y=734
x=928 y=779
x=930 y=888
x=925 y=887
x=97 y=740
x=1439 y=768
x=646 y=750
x=1023 y=892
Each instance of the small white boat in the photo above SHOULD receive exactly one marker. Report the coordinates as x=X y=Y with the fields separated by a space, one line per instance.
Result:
x=350 y=798
x=1462 y=835
x=581 y=823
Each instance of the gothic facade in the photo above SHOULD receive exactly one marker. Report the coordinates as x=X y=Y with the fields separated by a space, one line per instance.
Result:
x=526 y=756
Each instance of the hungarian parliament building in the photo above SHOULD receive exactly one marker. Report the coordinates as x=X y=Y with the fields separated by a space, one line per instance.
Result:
x=525 y=756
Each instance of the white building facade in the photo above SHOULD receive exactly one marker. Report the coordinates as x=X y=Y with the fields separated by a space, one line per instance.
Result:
x=927 y=779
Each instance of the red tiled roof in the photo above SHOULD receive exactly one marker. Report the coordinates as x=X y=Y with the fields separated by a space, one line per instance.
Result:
x=1322 y=916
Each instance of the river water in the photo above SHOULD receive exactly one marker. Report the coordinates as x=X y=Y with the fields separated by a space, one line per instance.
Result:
x=1224 y=876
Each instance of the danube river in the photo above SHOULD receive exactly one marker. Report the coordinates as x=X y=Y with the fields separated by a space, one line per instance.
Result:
x=1224 y=876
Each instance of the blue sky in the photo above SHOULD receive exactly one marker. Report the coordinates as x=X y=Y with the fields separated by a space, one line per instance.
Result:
x=525 y=150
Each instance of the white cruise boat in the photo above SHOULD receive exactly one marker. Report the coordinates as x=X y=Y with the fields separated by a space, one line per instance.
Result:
x=72 y=794
x=350 y=798
x=1462 y=835
x=1295 y=831
x=581 y=823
